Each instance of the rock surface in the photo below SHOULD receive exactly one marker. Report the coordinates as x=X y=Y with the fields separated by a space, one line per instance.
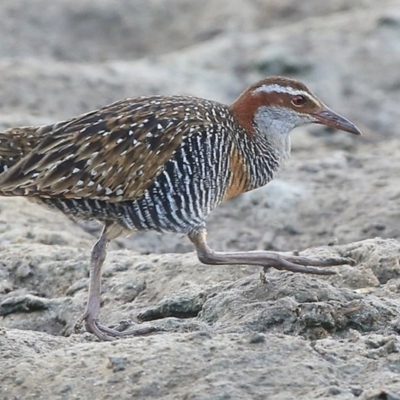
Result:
x=225 y=332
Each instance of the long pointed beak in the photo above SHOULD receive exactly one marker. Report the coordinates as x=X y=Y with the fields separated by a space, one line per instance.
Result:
x=329 y=118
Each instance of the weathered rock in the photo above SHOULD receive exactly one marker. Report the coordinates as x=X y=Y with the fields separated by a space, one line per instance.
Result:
x=224 y=332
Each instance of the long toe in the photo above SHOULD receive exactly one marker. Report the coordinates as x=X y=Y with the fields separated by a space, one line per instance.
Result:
x=115 y=333
x=289 y=266
x=105 y=333
x=319 y=262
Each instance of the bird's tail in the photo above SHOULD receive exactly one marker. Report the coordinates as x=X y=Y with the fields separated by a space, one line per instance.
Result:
x=16 y=143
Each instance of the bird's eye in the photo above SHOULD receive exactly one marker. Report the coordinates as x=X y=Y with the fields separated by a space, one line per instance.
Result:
x=299 y=100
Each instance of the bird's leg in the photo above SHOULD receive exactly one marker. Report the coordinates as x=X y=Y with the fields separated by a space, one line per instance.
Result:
x=265 y=259
x=92 y=311
x=97 y=257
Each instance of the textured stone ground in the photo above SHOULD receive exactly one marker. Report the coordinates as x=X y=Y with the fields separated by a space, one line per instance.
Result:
x=225 y=333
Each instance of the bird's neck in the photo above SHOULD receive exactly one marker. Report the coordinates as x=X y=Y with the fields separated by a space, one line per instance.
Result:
x=266 y=151
x=264 y=159
x=254 y=162
x=272 y=126
x=260 y=146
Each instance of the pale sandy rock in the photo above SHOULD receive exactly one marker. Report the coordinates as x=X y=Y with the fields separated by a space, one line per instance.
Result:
x=225 y=332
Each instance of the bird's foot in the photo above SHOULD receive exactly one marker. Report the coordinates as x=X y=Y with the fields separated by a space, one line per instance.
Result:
x=307 y=265
x=105 y=333
x=266 y=259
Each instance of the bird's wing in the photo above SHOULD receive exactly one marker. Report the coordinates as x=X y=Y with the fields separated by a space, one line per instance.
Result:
x=112 y=154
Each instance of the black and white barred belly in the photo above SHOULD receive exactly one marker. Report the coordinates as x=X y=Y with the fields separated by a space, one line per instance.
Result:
x=192 y=184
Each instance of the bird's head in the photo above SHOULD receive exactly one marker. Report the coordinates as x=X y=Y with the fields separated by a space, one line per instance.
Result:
x=276 y=105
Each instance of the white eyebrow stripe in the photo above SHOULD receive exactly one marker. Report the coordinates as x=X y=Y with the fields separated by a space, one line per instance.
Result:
x=274 y=87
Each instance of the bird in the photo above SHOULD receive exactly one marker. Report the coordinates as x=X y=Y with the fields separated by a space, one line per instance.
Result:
x=163 y=163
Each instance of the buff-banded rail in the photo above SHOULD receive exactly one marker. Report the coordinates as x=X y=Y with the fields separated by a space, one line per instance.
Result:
x=163 y=163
